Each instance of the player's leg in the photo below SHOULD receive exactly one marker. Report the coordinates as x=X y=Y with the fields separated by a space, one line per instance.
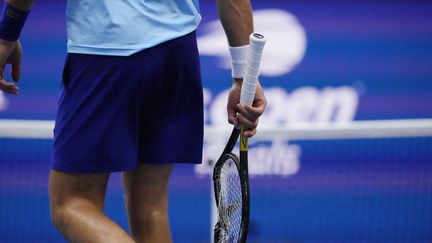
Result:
x=95 y=132
x=170 y=131
x=77 y=202
x=146 y=199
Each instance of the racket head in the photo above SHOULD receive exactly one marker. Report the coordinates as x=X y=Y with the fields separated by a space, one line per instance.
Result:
x=230 y=195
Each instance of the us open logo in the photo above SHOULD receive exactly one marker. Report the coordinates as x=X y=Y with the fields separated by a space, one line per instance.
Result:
x=284 y=50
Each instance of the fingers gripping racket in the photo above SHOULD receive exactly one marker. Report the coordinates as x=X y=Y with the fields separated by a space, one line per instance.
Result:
x=230 y=174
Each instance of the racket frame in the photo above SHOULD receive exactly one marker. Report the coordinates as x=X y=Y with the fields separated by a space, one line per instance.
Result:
x=253 y=60
x=242 y=168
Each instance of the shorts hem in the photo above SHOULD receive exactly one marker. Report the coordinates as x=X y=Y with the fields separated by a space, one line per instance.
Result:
x=89 y=171
x=195 y=162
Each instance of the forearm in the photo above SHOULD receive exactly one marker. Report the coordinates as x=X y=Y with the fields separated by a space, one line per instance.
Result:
x=24 y=5
x=236 y=19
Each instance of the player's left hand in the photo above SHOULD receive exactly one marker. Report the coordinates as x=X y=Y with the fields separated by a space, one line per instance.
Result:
x=10 y=53
x=245 y=115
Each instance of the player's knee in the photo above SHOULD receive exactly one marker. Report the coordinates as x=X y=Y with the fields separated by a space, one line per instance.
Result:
x=148 y=215
x=59 y=217
x=147 y=207
x=62 y=214
x=149 y=221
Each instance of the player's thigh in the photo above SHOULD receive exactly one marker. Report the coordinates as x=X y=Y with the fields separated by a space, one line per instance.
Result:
x=147 y=186
x=66 y=189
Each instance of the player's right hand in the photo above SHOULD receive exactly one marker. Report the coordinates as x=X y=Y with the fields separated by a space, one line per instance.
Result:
x=10 y=53
x=248 y=116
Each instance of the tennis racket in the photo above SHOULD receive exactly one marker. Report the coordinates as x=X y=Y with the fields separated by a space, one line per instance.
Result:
x=230 y=174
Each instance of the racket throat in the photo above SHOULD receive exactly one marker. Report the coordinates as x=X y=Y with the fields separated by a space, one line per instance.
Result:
x=243 y=141
x=244 y=174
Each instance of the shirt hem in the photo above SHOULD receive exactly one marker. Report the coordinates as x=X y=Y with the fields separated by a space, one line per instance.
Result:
x=118 y=51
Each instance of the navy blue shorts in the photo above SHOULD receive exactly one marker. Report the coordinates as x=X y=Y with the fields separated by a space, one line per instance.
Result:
x=115 y=111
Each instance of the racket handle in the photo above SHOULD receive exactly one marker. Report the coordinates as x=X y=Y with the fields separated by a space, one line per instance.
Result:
x=253 y=61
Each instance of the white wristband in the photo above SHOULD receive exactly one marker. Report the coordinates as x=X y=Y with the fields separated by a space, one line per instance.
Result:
x=238 y=60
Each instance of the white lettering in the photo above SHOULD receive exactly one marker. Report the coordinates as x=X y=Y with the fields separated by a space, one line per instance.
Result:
x=218 y=113
x=278 y=158
x=3 y=102
x=207 y=99
x=304 y=105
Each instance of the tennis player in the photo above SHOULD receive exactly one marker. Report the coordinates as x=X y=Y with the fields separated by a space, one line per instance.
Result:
x=131 y=100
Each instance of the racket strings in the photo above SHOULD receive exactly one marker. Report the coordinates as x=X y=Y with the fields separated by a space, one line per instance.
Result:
x=230 y=203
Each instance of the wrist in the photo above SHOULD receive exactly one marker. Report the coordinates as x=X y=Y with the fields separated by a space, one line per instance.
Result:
x=11 y=22
x=237 y=80
x=238 y=61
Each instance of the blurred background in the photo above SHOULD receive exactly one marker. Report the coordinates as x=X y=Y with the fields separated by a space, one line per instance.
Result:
x=326 y=62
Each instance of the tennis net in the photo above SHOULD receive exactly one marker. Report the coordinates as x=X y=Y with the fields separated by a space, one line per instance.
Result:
x=363 y=181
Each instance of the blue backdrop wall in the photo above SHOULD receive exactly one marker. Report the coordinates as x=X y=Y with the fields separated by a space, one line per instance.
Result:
x=325 y=61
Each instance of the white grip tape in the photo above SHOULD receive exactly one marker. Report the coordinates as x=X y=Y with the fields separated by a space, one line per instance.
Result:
x=253 y=61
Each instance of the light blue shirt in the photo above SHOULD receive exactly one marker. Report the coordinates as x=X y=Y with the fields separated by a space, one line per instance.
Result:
x=124 y=27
